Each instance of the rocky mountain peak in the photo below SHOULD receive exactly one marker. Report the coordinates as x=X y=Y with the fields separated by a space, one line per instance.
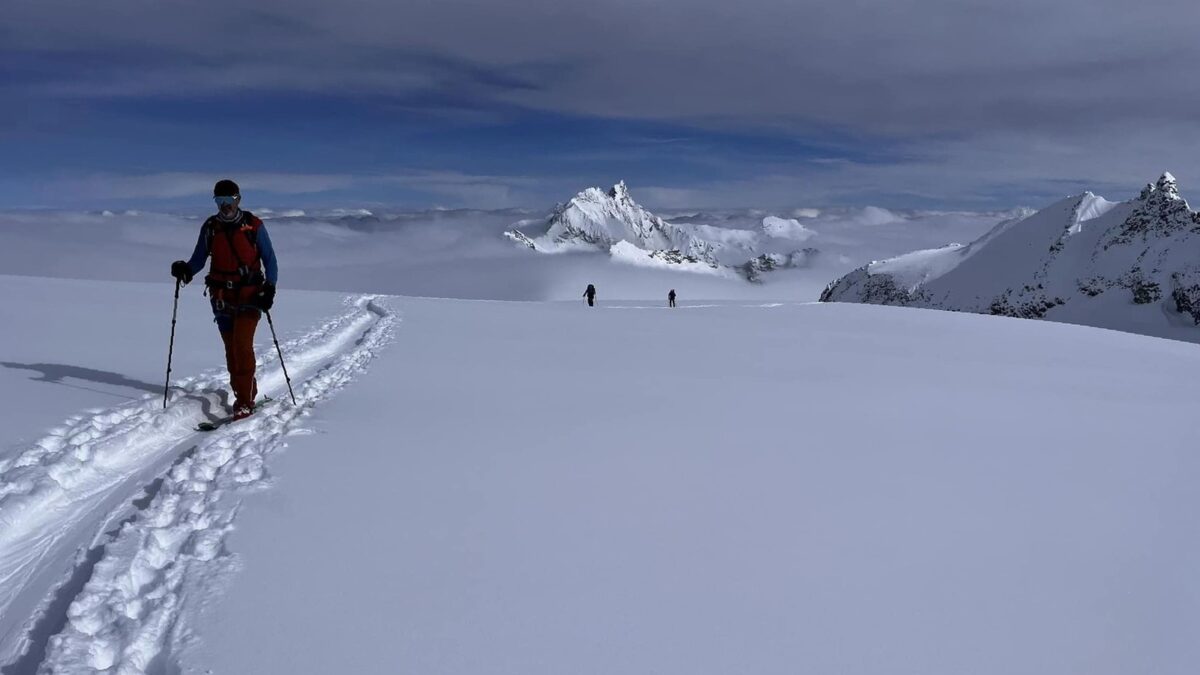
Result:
x=1168 y=185
x=1165 y=188
x=620 y=192
x=1158 y=211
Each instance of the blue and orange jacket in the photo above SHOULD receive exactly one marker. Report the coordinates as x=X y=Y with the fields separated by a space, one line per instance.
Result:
x=240 y=250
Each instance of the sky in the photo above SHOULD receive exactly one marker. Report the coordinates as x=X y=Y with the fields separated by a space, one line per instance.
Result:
x=695 y=103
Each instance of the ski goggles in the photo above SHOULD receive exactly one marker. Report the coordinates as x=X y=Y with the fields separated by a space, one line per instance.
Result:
x=226 y=201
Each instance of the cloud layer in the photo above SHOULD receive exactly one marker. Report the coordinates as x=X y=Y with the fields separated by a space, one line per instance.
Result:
x=918 y=99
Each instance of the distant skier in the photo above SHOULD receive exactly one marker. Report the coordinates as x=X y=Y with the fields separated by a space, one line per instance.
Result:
x=671 y=298
x=590 y=294
x=237 y=288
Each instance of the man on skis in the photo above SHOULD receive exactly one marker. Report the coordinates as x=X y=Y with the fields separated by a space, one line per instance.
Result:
x=237 y=287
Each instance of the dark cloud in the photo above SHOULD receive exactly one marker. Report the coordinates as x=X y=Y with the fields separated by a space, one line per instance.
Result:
x=978 y=88
x=895 y=66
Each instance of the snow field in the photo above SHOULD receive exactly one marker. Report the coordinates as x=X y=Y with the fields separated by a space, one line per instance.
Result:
x=54 y=492
x=825 y=488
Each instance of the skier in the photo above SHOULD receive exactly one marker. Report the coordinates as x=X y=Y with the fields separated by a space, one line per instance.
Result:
x=237 y=288
x=590 y=294
x=671 y=298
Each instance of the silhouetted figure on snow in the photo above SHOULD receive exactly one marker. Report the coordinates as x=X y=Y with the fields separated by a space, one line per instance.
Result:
x=590 y=294
x=671 y=298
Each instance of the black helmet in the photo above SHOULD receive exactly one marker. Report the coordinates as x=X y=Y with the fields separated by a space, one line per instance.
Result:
x=226 y=188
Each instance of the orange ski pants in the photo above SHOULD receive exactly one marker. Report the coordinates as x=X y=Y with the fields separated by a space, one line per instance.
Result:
x=239 y=357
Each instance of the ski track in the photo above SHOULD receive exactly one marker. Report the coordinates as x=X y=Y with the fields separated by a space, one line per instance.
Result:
x=124 y=620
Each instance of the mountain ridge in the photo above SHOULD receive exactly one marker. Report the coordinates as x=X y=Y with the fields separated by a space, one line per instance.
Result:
x=611 y=221
x=1083 y=259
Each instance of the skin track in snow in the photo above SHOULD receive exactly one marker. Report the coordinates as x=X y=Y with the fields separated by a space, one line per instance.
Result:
x=218 y=423
x=58 y=494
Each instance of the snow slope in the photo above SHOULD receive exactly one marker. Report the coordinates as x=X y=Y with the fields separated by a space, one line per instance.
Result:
x=104 y=517
x=1128 y=266
x=728 y=488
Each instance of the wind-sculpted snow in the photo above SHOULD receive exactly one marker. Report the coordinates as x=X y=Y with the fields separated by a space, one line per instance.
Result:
x=1131 y=266
x=125 y=616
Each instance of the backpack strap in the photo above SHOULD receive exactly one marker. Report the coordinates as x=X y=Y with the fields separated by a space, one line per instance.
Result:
x=251 y=232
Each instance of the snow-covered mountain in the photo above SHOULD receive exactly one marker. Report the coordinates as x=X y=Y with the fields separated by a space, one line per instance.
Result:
x=1131 y=266
x=595 y=219
x=613 y=222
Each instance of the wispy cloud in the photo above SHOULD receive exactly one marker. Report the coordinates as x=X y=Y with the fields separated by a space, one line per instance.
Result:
x=435 y=188
x=170 y=185
x=477 y=191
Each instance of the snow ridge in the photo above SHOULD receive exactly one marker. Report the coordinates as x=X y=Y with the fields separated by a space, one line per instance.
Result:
x=1127 y=266
x=125 y=616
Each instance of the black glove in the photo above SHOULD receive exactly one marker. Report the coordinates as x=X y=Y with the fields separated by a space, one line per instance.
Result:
x=266 y=297
x=180 y=270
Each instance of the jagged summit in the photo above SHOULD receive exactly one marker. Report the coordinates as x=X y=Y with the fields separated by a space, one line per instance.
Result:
x=620 y=192
x=1167 y=183
x=599 y=220
x=613 y=222
x=1166 y=187
x=1160 y=211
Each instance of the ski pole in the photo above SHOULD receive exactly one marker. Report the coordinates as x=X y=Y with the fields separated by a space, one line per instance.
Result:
x=171 y=348
x=280 y=352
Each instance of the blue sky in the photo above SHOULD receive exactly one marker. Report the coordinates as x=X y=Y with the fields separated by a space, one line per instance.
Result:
x=909 y=103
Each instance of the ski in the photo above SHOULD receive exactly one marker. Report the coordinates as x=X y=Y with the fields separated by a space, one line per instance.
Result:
x=218 y=423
